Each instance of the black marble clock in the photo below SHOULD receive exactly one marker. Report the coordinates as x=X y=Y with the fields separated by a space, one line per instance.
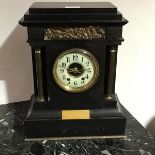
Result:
x=74 y=53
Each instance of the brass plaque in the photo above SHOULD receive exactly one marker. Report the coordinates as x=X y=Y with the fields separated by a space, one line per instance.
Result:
x=75 y=114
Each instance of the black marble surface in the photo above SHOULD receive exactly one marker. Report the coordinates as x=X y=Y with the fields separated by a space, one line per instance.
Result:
x=138 y=141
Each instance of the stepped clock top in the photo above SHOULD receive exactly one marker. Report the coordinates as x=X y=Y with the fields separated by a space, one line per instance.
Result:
x=47 y=13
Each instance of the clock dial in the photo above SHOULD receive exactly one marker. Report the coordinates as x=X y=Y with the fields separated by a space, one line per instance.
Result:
x=75 y=70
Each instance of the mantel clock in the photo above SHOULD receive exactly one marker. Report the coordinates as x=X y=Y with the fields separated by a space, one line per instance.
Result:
x=74 y=54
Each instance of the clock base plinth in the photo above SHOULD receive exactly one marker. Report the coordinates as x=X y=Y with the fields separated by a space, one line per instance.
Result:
x=103 y=123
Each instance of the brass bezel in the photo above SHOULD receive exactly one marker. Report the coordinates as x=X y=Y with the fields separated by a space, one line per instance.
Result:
x=88 y=85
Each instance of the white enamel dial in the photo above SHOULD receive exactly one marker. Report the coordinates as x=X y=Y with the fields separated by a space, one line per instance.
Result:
x=75 y=70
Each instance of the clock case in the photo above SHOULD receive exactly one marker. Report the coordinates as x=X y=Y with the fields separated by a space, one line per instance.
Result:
x=44 y=118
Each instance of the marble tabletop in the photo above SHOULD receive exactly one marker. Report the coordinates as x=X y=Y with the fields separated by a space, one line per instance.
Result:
x=138 y=141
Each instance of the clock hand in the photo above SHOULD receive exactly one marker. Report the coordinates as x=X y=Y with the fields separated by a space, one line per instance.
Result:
x=75 y=70
x=70 y=70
